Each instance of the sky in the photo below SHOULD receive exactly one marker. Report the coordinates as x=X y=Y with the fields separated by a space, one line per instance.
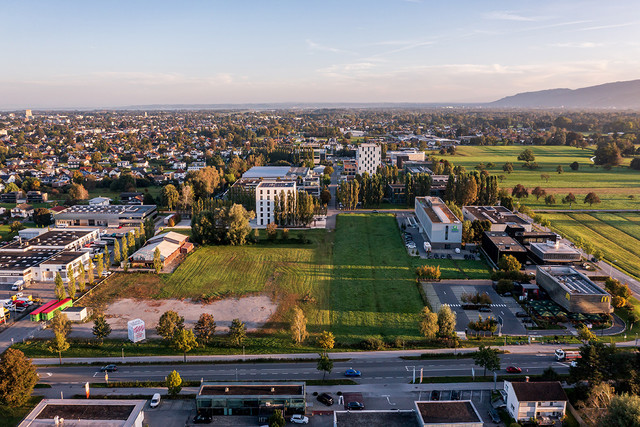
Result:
x=101 y=54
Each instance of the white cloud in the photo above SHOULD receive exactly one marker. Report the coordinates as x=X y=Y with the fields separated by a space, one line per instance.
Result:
x=322 y=48
x=578 y=45
x=508 y=15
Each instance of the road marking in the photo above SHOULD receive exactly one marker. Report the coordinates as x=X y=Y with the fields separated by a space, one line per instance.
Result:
x=96 y=374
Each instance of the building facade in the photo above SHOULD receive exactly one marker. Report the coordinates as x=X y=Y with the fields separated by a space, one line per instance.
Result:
x=105 y=216
x=572 y=290
x=368 y=158
x=545 y=401
x=442 y=227
x=266 y=193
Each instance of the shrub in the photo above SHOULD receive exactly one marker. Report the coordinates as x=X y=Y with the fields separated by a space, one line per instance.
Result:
x=504 y=286
x=477 y=298
x=428 y=272
x=372 y=344
x=489 y=324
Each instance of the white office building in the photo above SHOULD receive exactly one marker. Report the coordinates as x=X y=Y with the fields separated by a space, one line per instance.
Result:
x=368 y=158
x=266 y=193
x=442 y=227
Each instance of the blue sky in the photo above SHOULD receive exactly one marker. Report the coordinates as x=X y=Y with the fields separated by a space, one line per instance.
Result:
x=115 y=53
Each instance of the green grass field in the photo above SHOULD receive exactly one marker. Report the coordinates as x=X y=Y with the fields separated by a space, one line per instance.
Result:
x=617 y=235
x=588 y=176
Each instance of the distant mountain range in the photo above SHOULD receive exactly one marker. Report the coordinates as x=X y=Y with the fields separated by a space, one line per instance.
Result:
x=618 y=95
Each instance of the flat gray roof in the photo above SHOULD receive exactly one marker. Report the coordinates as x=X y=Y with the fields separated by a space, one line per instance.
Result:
x=376 y=418
x=572 y=281
x=495 y=214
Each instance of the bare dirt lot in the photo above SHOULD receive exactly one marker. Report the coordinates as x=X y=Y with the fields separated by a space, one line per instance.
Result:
x=254 y=311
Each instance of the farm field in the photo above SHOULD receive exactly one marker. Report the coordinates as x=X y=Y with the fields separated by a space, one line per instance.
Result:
x=617 y=235
x=588 y=176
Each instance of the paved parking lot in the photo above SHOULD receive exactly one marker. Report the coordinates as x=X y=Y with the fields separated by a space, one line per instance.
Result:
x=171 y=413
x=450 y=292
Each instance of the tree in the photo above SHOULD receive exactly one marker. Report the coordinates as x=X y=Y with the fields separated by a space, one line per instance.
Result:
x=106 y=258
x=272 y=231
x=18 y=377
x=326 y=341
x=58 y=344
x=591 y=198
x=184 y=340
x=169 y=323
x=238 y=226
x=131 y=241
x=527 y=156
x=325 y=196
x=170 y=196
x=509 y=263
x=508 y=167
x=205 y=328
x=574 y=166
x=71 y=282
x=520 y=191
x=607 y=154
x=60 y=324
x=78 y=192
x=82 y=281
x=487 y=358
x=101 y=328
x=569 y=198
x=16 y=226
x=42 y=217
x=428 y=323
x=157 y=260
x=116 y=252
x=635 y=163
x=550 y=199
x=446 y=322
x=595 y=408
x=559 y=169
x=325 y=364
x=585 y=335
x=550 y=374
x=624 y=410
x=90 y=273
x=298 y=326
x=538 y=192
x=174 y=383
x=277 y=419
x=59 y=287
x=545 y=176
x=237 y=332
x=124 y=248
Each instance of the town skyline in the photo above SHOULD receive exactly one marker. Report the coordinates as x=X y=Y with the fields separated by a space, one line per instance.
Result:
x=82 y=56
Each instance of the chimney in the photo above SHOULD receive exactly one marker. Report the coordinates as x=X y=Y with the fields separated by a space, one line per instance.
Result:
x=526 y=379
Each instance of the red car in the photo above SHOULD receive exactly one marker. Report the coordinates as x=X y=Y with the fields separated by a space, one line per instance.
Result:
x=513 y=370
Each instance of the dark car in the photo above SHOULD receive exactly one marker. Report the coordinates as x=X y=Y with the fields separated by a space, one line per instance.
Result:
x=513 y=370
x=493 y=414
x=521 y=314
x=435 y=395
x=355 y=406
x=485 y=309
x=202 y=419
x=455 y=395
x=325 y=398
x=109 y=368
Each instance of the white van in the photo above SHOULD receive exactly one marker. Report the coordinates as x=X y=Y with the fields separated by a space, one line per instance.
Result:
x=155 y=401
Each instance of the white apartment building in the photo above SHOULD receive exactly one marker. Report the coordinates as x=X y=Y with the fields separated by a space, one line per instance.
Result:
x=544 y=401
x=368 y=158
x=266 y=193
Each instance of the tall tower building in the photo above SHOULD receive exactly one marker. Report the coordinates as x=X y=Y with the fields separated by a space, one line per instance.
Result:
x=368 y=158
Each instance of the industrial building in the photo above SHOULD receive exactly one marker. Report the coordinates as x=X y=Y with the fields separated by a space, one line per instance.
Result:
x=105 y=216
x=86 y=412
x=499 y=216
x=251 y=398
x=496 y=244
x=443 y=228
x=169 y=244
x=572 y=290
x=554 y=253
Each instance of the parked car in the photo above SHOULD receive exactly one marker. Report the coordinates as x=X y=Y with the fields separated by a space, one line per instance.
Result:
x=352 y=373
x=155 y=400
x=109 y=368
x=513 y=370
x=355 y=406
x=455 y=395
x=485 y=309
x=521 y=314
x=325 y=398
x=493 y=414
x=299 y=419
x=202 y=419
x=435 y=395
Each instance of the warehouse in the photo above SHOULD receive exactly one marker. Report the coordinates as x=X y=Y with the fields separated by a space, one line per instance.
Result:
x=105 y=216
x=572 y=290
x=169 y=244
x=251 y=398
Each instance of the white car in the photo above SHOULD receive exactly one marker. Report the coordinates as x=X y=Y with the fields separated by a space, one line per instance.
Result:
x=299 y=419
x=155 y=401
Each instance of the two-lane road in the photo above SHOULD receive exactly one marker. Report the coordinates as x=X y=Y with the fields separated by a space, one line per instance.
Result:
x=376 y=371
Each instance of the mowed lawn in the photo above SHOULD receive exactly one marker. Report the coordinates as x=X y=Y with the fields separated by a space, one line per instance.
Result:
x=373 y=289
x=588 y=175
x=617 y=235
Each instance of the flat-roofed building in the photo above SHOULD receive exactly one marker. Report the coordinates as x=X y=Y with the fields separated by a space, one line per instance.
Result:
x=572 y=290
x=442 y=227
x=554 y=253
x=266 y=193
x=86 y=413
x=170 y=245
x=375 y=418
x=450 y=413
x=259 y=399
x=496 y=244
x=105 y=216
x=368 y=158
x=406 y=155
x=499 y=216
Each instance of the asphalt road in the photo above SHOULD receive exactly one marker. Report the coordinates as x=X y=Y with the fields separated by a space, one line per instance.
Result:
x=374 y=371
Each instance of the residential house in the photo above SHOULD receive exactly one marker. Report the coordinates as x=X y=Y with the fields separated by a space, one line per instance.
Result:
x=544 y=401
x=22 y=210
